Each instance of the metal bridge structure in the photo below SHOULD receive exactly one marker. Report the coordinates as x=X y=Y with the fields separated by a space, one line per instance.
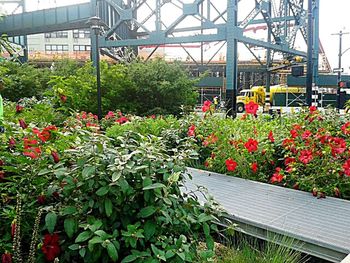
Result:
x=134 y=23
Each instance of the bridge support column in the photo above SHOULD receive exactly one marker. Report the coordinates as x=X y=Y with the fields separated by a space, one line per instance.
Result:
x=231 y=58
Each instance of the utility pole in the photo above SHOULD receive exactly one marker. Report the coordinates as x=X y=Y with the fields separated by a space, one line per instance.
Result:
x=339 y=69
x=309 y=76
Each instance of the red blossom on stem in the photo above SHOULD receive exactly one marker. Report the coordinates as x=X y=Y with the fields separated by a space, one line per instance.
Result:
x=230 y=165
x=254 y=167
x=346 y=167
x=191 y=131
x=293 y=133
x=122 y=120
x=19 y=108
x=51 y=248
x=6 y=258
x=277 y=177
x=110 y=115
x=312 y=109
x=63 y=98
x=206 y=106
x=345 y=128
x=55 y=156
x=251 y=107
x=13 y=228
x=306 y=134
x=22 y=124
x=270 y=137
x=251 y=145
x=12 y=143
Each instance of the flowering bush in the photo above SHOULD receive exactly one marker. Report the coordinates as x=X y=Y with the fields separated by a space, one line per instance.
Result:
x=308 y=151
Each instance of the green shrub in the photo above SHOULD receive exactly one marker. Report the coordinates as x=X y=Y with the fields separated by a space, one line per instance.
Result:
x=23 y=81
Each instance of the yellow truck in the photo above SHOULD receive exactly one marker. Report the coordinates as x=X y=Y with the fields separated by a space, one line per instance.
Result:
x=280 y=96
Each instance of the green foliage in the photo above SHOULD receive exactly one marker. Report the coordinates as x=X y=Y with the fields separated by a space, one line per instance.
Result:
x=23 y=81
x=142 y=88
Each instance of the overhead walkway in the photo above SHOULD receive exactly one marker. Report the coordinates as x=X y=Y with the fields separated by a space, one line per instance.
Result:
x=46 y=20
x=319 y=227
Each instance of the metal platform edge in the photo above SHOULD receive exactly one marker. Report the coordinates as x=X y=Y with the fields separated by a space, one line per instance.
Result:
x=282 y=238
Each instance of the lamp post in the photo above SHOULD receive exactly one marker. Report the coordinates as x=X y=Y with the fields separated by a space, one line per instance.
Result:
x=94 y=23
x=339 y=69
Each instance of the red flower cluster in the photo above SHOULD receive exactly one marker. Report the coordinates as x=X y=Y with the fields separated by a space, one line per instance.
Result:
x=346 y=167
x=251 y=108
x=230 y=165
x=51 y=248
x=305 y=156
x=346 y=128
x=191 y=131
x=110 y=115
x=206 y=106
x=122 y=120
x=251 y=145
x=45 y=135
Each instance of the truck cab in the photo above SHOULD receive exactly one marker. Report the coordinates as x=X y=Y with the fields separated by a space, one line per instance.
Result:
x=255 y=94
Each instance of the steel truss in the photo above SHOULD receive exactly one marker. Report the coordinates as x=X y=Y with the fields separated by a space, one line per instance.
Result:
x=15 y=46
x=204 y=21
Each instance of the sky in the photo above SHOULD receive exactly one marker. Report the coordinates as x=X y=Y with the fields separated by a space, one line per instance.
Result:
x=334 y=16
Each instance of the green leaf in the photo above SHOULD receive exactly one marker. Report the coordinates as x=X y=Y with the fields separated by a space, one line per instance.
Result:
x=82 y=252
x=112 y=252
x=204 y=217
x=43 y=172
x=74 y=247
x=88 y=171
x=69 y=210
x=102 y=191
x=181 y=255
x=70 y=226
x=154 y=186
x=116 y=176
x=129 y=258
x=93 y=241
x=210 y=242
x=83 y=236
x=108 y=207
x=206 y=229
x=147 y=211
x=102 y=234
x=50 y=221
x=150 y=229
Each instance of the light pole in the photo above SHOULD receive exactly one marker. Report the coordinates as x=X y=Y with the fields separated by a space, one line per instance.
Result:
x=94 y=23
x=340 y=34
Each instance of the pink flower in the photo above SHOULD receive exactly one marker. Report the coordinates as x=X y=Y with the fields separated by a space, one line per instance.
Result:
x=191 y=131
x=122 y=120
x=23 y=124
x=306 y=134
x=305 y=156
x=19 y=108
x=110 y=115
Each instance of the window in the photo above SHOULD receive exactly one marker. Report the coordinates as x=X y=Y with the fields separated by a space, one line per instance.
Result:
x=81 y=33
x=58 y=34
x=81 y=48
x=56 y=48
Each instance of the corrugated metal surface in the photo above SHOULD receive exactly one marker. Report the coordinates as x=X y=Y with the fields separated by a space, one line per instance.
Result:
x=324 y=224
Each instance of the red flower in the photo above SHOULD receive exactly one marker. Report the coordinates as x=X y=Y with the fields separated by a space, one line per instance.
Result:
x=153 y=116
x=23 y=124
x=191 y=131
x=345 y=128
x=305 y=156
x=312 y=109
x=110 y=115
x=12 y=143
x=2 y=175
x=206 y=163
x=254 y=167
x=270 y=137
x=41 y=199
x=6 y=258
x=211 y=139
x=294 y=133
x=306 y=134
x=206 y=106
x=346 y=167
x=277 y=176
x=122 y=120
x=63 y=98
x=289 y=160
x=33 y=152
x=29 y=143
x=51 y=248
x=338 y=145
x=296 y=127
x=19 y=108
x=251 y=145
x=251 y=107
x=13 y=228
x=55 y=156
x=230 y=165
